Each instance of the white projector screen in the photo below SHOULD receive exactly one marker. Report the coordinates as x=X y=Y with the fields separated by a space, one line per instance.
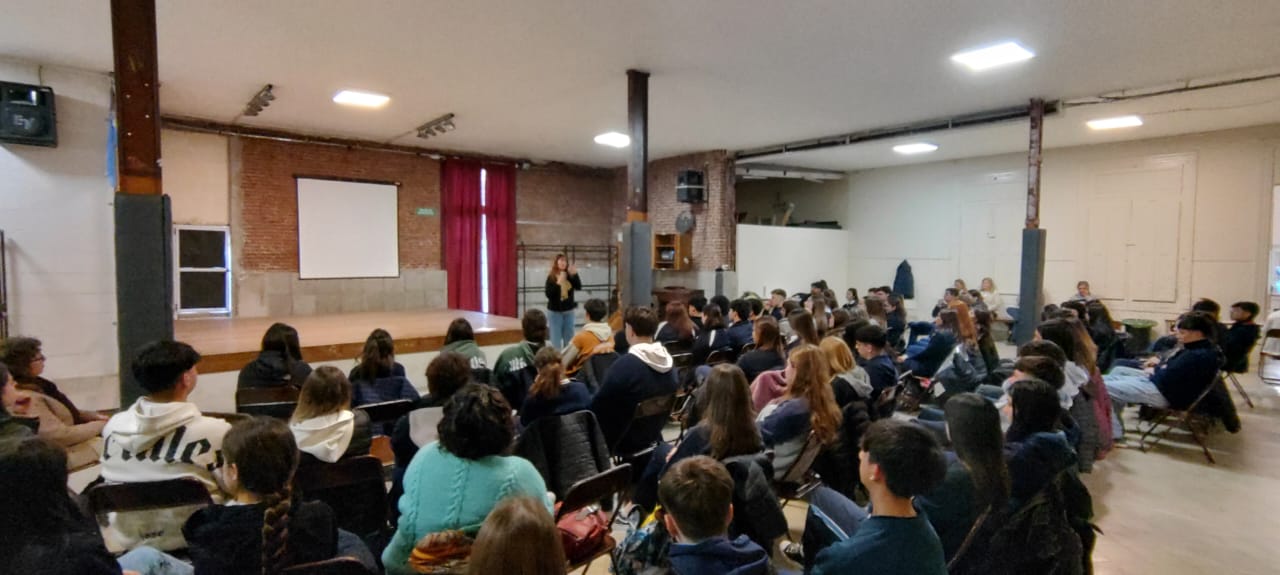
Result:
x=347 y=230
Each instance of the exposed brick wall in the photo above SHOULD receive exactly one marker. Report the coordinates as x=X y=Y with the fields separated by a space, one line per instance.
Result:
x=269 y=222
x=715 y=231
x=563 y=205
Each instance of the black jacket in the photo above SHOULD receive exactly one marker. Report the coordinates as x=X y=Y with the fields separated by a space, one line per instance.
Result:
x=228 y=538
x=741 y=334
x=78 y=550
x=758 y=361
x=629 y=381
x=1184 y=375
x=1237 y=342
x=554 y=302
x=708 y=341
x=269 y=370
x=757 y=513
x=564 y=449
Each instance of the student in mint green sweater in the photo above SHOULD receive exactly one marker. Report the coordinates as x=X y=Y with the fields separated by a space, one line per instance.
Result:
x=454 y=482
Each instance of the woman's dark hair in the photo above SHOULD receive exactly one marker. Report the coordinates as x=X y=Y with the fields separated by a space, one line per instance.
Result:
x=1078 y=306
x=283 y=339
x=1044 y=348
x=726 y=405
x=982 y=320
x=767 y=335
x=326 y=391
x=950 y=321
x=446 y=374
x=712 y=317
x=1050 y=311
x=33 y=479
x=19 y=353
x=876 y=310
x=721 y=302
x=519 y=537
x=378 y=357
x=1099 y=315
x=839 y=318
x=550 y=368
x=1035 y=409
x=973 y=424
x=677 y=317
x=1208 y=306
x=803 y=324
x=1042 y=368
x=1059 y=332
x=895 y=301
x=459 y=330
x=534 y=326
x=853 y=291
x=266 y=457
x=1200 y=321
x=477 y=423
x=819 y=315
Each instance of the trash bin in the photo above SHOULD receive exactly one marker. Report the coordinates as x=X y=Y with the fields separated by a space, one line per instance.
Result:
x=1139 y=331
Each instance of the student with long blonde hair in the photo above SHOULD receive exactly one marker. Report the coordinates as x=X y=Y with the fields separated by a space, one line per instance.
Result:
x=562 y=281
x=808 y=405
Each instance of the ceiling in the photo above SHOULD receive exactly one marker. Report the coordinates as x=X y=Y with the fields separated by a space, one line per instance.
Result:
x=539 y=79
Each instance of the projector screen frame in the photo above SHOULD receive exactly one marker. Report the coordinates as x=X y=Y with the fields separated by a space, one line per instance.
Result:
x=297 y=206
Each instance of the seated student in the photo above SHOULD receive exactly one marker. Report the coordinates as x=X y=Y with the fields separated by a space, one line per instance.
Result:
x=807 y=404
x=1036 y=448
x=1239 y=339
x=899 y=461
x=697 y=303
x=849 y=382
x=1082 y=292
x=721 y=302
x=373 y=379
x=725 y=429
x=896 y=316
x=26 y=363
x=42 y=530
x=712 y=338
x=161 y=436
x=775 y=307
x=817 y=307
x=595 y=337
x=768 y=354
x=323 y=424
x=446 y=374
x=644 y=372
x=552 y=393
x=697 y=502
x=948 y=295
x=804 y=330
x=455 y=482
x=265 y=529
x=677 y=328
x=876 y=311
x=881 y=371
x=461 y=339
x=1085 y=381
x=923 y=360
x=1175 y=382
x=987 y=343
x=740 y=329
x=840 y=319
x=977 y=478
x=757 y=307
x=789 y=307
x=514 y=371
x=54 y=422
x=1167 y=343
x=518 y=537
x=279 y=363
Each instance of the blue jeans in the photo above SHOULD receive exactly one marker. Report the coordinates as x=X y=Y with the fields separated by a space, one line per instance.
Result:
x=832 y=518
x=561 y=324
x=151 y=561
x=1129 y=385
x=917 y=330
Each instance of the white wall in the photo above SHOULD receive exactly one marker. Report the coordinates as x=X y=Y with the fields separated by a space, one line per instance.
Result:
x=1223 y=236
x=196 y=177
x=771 y=257
x=55 y=208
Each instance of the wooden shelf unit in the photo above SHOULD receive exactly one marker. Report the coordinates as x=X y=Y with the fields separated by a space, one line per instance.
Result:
x=671 y=252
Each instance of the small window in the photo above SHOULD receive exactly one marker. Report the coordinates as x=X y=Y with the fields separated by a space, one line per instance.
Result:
x=203 y=270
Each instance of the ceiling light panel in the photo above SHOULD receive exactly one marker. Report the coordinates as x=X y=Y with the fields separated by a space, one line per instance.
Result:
x=361 y=99
x=1116 y=122
x=993 y=56
x=915 y=148
x=613 y=139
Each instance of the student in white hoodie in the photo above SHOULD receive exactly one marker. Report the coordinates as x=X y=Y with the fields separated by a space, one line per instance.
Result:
x=644 y=372
x=161 y=436
x=323 y=424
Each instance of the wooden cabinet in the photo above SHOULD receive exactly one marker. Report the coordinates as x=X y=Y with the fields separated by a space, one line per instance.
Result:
x=671 y=252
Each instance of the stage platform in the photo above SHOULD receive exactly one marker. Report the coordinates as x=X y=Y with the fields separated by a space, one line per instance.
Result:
x=227 y=344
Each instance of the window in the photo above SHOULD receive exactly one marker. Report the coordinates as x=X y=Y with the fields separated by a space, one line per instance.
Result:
x=202 y=266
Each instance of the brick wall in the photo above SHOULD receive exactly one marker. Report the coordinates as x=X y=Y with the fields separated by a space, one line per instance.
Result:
x=564 y=205
x=714 y=232
x=269 y=222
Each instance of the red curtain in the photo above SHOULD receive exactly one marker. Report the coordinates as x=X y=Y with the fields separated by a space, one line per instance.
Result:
x=460 y=212
x=500 y=209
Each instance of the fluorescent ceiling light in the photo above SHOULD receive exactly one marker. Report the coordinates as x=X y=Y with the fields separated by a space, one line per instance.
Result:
x=914 y=148
x=613 y=139
x=1116 y=122
x=993 y=56
x=361 y=99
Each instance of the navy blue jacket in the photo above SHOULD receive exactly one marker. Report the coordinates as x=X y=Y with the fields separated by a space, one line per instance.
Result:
x=628 y=382
x=719 y=556
x=882 y=372
x=1185 y=374
x=904 y=282
x=1237 y=342
x=741 y=334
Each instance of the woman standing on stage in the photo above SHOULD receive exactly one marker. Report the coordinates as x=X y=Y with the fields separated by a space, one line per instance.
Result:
x=562 y=281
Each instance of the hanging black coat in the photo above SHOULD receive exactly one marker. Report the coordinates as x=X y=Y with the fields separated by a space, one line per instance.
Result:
x=904 y=283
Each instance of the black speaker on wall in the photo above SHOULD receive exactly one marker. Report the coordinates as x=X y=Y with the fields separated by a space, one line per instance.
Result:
x=691 y=187
x=27 y=115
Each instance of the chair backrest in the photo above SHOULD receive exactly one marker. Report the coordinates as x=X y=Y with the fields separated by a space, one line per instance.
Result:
x=353 y=487
x=386 y=411
x=108 y=497
x=335 y=566
x=719 y=356
x=646 y=422
x=799 y=469
x=594 y=489
x=278 y=402
x=596 y=366
x=232 y=418
x=678 y=347
x=749 y=347
x=682 y=360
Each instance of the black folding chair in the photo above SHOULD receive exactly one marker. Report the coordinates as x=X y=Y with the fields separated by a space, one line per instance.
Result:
x=353 y=487
x=278 y=402
x=586 y=495
x=385 y=414
x=800 y=478
x=175 y=493
x=720 y=356
x=1264 y=355
x=1197 y=423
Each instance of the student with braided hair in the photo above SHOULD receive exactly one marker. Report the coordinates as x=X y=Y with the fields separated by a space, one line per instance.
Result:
x=262 y=529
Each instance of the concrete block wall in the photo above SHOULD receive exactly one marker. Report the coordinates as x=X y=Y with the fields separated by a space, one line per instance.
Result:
x=273 y=293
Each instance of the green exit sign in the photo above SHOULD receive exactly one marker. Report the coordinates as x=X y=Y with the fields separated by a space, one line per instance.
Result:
x=426 y=211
